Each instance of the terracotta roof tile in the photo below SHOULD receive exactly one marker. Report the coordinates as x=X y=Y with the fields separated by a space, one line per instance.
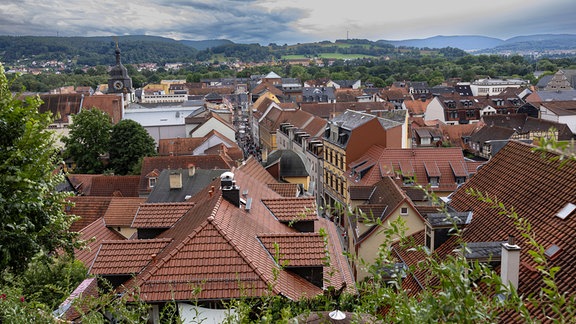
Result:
x=285 y=189
x=292 y=209
x=160 y=215
x=178 y=146
x=61 y=105
x=115 y=186
x=88 y=209
x=447 y=162
x=361 y=192
x=121 y=211
x=215 y=246
x=536 y=187
x=295 y=249
x=82 y=182
x=110 y=104
x=94 y=234
x=329 y=110
x=126 y=257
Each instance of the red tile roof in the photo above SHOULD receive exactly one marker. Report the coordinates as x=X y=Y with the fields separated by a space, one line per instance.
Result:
x=329 y=110
x=122 y=210
x=178 y=146
x=295 y=249
x=417 y=106
x=126 y=257
x=115 y=186
x=94 y=234
x=285 y=189
x=445 y=162
x=110 y=104
x=536 y=186
x=61 y=105
x=160 y=215
x=82 y=182
x=215 y=246
x=292 y=209
x=88 y=208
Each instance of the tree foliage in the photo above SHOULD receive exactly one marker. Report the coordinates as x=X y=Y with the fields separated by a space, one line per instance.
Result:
x=32 y=218
x=129 y=142
x=87 y=142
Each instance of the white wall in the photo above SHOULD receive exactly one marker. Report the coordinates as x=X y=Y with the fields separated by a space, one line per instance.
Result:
x=434 y=110
x=214 y=124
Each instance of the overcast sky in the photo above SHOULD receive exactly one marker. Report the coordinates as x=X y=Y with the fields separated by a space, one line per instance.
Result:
x=287 y=21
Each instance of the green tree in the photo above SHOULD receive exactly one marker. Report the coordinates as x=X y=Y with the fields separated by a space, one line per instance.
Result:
x=32 y=220
x=88 y=140
x=129 y=142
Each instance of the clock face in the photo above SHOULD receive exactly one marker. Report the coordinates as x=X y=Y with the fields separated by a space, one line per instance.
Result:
x=118 y=85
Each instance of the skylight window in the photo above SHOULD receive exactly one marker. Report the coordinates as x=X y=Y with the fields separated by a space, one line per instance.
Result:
x=566 y=210
x=552 y=251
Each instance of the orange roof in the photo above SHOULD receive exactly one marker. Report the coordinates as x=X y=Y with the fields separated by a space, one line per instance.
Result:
x=292 y=209
x=110 y=104
x=135 y=254
x=285 y=189
x=420 y=163
x=536 y=186
x=417 y=107
x=115 y=186
x=295 y=249
x=121 y=211
x=88 y=209
x=94 y=234
x=79 y=297
x=160 y=215
x=82 y=182
x=178 y=146
x=215 y=246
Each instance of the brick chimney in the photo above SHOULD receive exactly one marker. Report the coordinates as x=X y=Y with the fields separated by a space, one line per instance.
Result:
x=510 y=264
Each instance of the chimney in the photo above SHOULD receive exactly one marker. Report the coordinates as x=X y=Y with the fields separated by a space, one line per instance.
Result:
x=191 y=170
x=230 y=191
x=175 y=180
x=510 y=267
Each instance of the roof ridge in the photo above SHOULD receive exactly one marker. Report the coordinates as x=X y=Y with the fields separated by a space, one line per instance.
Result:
x=180 y=245
x=150 y=269
x=236 y=248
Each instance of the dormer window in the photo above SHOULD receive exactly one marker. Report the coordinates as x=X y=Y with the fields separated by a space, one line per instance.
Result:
x=151 y=182
x=407 y=181
x=460 y=180
x=434 y=181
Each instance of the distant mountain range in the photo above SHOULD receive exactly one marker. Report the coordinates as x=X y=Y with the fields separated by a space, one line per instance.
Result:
x=483 y=44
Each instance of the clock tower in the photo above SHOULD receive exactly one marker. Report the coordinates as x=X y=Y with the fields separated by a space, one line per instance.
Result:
x=119 y=81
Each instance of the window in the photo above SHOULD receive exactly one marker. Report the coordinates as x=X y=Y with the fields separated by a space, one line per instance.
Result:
x=404 y=211
x=453 y=114
x=434 y=181
x=408 y=181
x=151 y=182
x=470 y=114
x=460 y=180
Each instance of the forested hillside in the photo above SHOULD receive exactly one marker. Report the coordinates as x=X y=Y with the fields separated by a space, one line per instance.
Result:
x=94 y=51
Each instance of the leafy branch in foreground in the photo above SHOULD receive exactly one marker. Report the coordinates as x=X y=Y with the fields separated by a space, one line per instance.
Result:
x=560 y=307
